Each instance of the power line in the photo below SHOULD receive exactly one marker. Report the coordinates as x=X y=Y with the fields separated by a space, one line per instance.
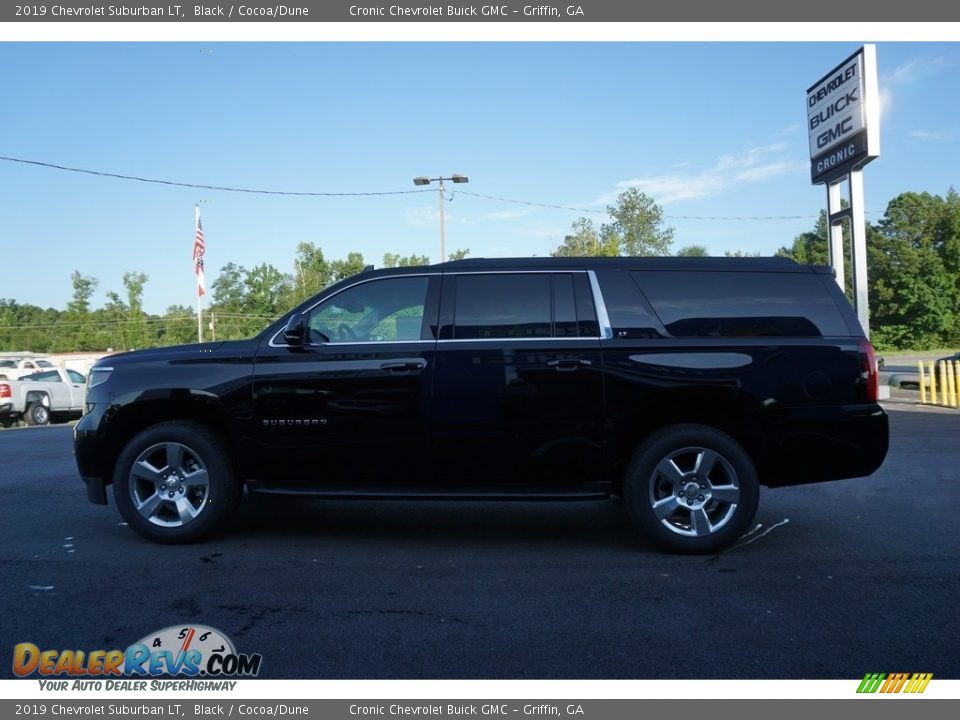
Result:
x=666 y=217
x=391 y=192
x=147 y=320
x=206 y=187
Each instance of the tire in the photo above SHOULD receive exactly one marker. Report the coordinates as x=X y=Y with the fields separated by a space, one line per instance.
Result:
x=691 y=489
x=202 y=494
x=37 y=414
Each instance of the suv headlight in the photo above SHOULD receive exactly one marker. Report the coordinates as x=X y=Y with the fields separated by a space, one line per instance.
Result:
x=98 y=376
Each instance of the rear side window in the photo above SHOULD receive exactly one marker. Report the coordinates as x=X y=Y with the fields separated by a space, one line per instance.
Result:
x=522 y=305
x=47 y=376
x=741 y=304
x=509 y=305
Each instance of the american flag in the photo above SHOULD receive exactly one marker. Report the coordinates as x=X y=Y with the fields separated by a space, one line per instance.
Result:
x=198 y=250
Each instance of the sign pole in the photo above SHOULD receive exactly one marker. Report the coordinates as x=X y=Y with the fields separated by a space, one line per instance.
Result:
x=835 y=233
x=858 y=248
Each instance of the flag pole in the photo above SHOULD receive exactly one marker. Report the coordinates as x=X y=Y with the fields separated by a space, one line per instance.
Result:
x=198 y=250
x=199 y=321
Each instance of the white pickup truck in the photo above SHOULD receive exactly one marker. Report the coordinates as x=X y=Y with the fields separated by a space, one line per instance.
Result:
x=41 y=396
x=12 y=368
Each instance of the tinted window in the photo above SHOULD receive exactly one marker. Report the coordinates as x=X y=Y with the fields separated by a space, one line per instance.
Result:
x=630 y=316
x=377 y=311
x=510 y=305
x=564 y=307
x=586 y=312
x=76 y=377
x=48 y=376
x=741 y=304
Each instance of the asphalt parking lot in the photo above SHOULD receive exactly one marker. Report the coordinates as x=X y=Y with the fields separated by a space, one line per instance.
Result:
x=840 y=579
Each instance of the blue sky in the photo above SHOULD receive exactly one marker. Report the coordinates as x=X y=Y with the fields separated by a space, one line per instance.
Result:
x=707 y=129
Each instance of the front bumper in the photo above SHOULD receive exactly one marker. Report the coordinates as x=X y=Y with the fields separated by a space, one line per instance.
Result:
x=89 y=454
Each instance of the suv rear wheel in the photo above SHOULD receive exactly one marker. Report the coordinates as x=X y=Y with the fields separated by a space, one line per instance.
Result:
x=174 y=483
x=691 y=489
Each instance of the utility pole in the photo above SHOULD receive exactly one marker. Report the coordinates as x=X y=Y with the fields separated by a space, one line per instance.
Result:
x=457 y=178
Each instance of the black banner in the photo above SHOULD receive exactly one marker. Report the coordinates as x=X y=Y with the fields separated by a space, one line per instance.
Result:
x=366 y=11
x=489 y=708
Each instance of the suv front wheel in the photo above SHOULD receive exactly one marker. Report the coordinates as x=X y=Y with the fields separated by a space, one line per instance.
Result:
x=174 y=482
x=691 y=489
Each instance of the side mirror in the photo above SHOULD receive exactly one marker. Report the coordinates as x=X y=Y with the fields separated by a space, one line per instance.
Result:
x=295 y=331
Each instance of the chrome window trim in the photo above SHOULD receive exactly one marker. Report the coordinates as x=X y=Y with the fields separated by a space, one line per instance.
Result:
x=510 y=339
x=601 y=309
x=515 y=272
x=606 y=330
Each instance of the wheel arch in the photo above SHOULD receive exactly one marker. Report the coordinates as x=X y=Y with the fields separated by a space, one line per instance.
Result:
x=732 y=413
x=123 y=423
x=33 y=396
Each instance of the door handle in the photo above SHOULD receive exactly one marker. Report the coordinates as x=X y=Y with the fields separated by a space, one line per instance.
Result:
x=568 y=365
x=403 y=365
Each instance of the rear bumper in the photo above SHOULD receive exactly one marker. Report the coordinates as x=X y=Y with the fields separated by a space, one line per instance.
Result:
x=810 y=445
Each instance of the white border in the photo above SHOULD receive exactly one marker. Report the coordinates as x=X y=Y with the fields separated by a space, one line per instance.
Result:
x=467 y=31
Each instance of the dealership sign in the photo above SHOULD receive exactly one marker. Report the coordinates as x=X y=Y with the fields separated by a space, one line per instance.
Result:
x=843 y=117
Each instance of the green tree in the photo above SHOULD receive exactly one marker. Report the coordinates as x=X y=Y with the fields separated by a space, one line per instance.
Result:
x=137 y=320
x=914 y=298
x=312 y=272
x=264 y=287
x=348 y=267
x=638 y=225
x=693 y=251
x=458 y=254
x=391 y=260
x=228 y=288
x=585 y=241
x=178 y=326
x=635 y=229
x=83 y=289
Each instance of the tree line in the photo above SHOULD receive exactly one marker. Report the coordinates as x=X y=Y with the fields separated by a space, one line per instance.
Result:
x=913 y=260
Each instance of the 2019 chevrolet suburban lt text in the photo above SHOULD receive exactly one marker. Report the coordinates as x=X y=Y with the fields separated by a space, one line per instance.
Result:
x=678 y=384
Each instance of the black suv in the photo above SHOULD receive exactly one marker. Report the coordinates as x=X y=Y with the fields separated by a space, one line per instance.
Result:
x=678 y=384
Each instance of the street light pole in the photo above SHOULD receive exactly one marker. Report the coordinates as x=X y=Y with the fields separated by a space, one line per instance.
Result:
x=443 y=225
x=457 y=178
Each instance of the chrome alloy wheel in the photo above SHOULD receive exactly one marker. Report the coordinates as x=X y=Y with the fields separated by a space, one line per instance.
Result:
x=694 y=491
x=169 y=484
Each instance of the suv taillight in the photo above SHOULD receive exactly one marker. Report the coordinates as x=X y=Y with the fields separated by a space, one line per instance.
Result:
x=5 y=391
x=868 y=370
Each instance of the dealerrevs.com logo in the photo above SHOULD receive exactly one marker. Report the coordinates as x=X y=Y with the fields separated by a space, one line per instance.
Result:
x=180 y=650
x=894 y=683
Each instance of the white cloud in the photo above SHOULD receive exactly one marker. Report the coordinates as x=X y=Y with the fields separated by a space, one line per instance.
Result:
x=752 y=165
x=915 y=69
x=921 y=135
x=545 y=232
x=430 y=217
x=909 y=72
x=886 y=101
x=794 y=129
x=505 y=215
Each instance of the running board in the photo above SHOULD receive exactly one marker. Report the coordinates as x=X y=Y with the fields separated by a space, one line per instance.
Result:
x=583 y=491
